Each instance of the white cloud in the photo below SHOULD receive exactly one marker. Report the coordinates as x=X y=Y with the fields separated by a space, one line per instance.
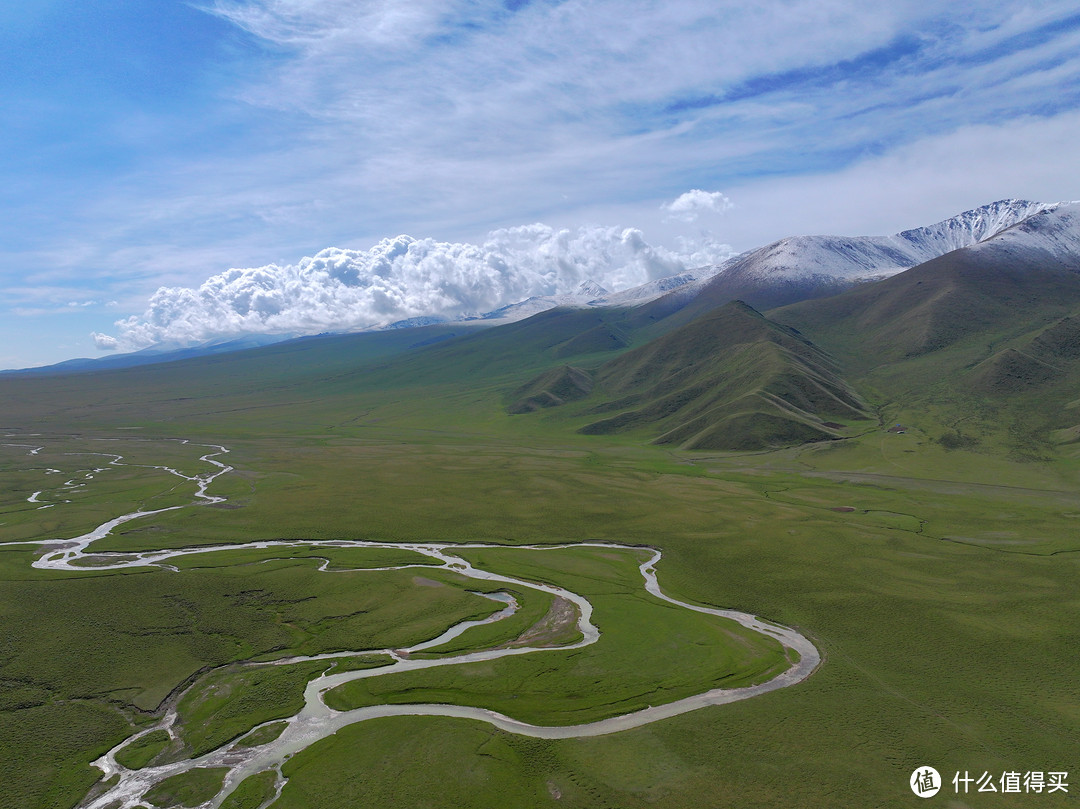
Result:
x=918 y=184
x=403 y=277
x=312 y=23
x=689 y=206
x=316 y=122
x=104 y=342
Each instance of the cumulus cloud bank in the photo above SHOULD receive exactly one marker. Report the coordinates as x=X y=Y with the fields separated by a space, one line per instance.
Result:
x=403 y=277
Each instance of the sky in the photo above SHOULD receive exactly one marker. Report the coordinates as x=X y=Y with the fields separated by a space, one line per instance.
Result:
x=177 y=172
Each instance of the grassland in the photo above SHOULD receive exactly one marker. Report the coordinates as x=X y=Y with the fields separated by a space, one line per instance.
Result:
x=533 y=607
x=187 y=789
x=139 y=752
x=90 y=657
x=263 y=735
x=944 y=641
x=649 y=652
x=946 y=603
x=78 y=486
x=253 y=792
x=230 y=702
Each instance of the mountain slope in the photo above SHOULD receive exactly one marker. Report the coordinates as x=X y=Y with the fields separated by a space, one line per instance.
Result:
x=1038 y=363
x=729 y=380
x=804 y=267
x=552 y=388
x=1022 y=278
x=540 y=341
x=981 y=344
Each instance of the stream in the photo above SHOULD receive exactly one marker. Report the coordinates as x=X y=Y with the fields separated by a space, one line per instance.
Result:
x=317 y=721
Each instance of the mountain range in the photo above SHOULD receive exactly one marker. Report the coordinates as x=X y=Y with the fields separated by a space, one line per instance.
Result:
x=797 y=267
x=789 y=270
x=969 y=328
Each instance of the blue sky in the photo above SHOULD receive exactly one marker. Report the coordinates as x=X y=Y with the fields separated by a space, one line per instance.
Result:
x=157 y=145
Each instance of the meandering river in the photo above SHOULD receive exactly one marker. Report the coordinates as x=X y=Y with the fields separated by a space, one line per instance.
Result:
x=317 y=721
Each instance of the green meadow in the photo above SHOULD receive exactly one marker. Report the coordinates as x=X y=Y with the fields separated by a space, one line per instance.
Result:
x=940 y=584
x=253 y=792
x=649 y=652
x=191 y=788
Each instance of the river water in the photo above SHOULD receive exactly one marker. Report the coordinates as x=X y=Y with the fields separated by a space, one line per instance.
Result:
x=317 y=721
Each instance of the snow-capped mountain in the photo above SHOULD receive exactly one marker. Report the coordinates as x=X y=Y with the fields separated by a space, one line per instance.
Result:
x=860 y=257
x=801 y=267
x=797 y=267
x=590 y=289
x=416 y=322
x=585 y=295
x=968 y=228
x=1052 y=236
x=654 y=289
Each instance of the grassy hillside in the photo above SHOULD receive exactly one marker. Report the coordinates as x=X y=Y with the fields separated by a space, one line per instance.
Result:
x=964 y=301
x=730 y=379
x=551 y=389
x=977 y=347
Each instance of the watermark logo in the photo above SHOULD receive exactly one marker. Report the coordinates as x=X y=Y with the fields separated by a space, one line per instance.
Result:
x=1012 y=781
x=925 y=782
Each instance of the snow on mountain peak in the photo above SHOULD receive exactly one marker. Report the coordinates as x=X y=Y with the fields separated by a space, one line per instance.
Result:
x=851 y=258
x=970 y=227
x=825 y=262
x=1054 y=232
x=590 y=289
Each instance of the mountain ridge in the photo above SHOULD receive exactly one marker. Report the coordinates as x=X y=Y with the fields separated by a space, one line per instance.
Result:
x=730 y=380
x=804 y=267
x=783 y=272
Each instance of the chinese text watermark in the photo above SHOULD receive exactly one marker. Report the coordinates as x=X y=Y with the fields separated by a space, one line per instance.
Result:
x=926 y=782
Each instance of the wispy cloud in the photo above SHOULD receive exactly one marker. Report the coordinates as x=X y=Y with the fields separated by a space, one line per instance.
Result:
x=455 y=117
x=305 y=123
x=921 y=182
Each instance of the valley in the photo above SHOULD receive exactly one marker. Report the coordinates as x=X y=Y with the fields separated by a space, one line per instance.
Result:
x=749 y=668
x=539 y=560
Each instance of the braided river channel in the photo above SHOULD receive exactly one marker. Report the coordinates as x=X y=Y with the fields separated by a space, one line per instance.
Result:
x=317 y=720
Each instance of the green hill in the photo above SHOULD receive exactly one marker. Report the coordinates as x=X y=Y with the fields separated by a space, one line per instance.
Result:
x=980 y=343
x=1010 y=371
x=552 y=388
x=960 y=300
x=730 y=379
